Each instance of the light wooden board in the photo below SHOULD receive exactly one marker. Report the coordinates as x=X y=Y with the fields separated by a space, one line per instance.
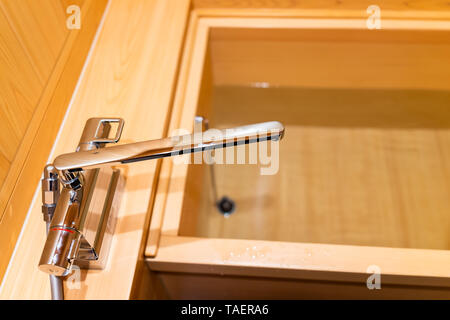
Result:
x=130 y=74
x=34 y=147
x=328 y=5
x=307 y=261
x=20 y=92
x=331 y=58
x=33 y=35
x=41 y=28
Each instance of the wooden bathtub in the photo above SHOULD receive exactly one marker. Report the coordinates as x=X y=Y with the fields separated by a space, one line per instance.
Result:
x=363 y=184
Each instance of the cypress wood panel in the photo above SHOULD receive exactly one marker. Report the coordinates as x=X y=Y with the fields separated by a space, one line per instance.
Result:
x=38 y=71
x=425 y=5
x=32 y=36
x=40 y=28
x=20 y=88
x=130 y=73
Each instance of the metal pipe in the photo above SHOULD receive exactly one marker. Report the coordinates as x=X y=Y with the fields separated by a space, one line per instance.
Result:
x=205 y=123
x=56 y=283
x=50 y=196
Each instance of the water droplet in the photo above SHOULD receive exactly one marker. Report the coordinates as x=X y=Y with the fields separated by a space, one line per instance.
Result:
x=260 y=85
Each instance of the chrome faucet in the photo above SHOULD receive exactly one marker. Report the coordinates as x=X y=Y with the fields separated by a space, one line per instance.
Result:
x=84 y=217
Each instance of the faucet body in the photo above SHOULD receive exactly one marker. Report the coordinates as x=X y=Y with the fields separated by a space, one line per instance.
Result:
x=84 y=217
x=83 y=221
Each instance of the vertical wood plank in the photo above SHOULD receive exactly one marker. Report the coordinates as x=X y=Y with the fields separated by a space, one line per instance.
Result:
x=31 y=154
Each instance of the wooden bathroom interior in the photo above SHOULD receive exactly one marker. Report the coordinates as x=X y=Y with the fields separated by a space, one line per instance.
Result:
x=359 y=184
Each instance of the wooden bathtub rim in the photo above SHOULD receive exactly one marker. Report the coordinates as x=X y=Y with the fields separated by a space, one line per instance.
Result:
x=310 y=261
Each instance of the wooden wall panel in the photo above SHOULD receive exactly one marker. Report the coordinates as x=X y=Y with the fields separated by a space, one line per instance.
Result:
x=32 y=36
x=41 y=72
x=388 y=59
x=20 y=88
x=40 y=28
x=427 y=5
x=130 y=73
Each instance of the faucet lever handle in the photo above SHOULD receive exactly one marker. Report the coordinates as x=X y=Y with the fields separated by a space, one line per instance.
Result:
x=97 y=132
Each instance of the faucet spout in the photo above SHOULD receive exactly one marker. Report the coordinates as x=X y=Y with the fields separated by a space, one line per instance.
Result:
x=167 y=147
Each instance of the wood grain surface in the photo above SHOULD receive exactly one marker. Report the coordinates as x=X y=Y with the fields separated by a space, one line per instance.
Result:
x=134 y=82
